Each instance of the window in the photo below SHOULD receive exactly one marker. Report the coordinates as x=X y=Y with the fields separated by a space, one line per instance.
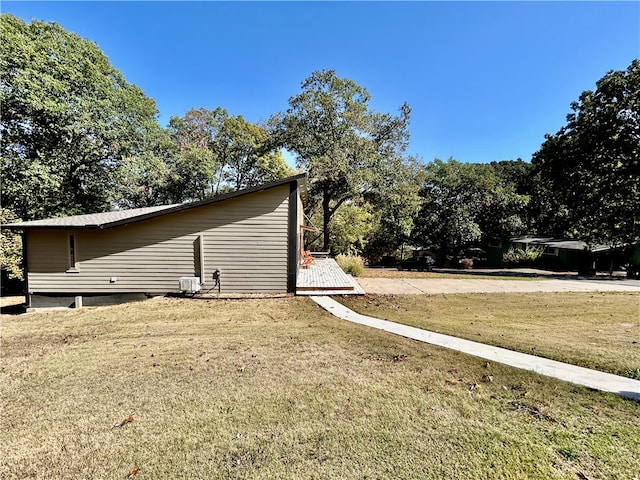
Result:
x=72 y=254
x=551 y=251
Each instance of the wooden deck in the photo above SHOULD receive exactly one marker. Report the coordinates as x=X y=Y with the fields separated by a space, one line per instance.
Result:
x=325 y=277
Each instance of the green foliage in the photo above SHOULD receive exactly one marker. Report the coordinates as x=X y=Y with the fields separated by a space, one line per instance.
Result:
x=68 y=120
x=633 y=373
x=464 y=203
x=350 y=228
x=250 y=160
x=215 y=152
x=527 y=255
x=144 y=179
x=10 y=247
x=516 y=174
x=569 y=453
x=589 y=172
x=397 y=204
x=197 y=159
x=351 y=264
x=345 y=147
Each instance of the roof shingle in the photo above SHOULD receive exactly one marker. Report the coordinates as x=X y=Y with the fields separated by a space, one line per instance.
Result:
x=96 y=220
x=121 y=217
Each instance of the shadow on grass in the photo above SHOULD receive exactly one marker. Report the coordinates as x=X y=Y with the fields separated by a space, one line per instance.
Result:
x=17 y=309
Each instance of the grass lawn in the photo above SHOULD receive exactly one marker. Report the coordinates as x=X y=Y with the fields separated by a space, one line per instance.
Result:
x=594 y=330
x=277 y=388
x=470 y=275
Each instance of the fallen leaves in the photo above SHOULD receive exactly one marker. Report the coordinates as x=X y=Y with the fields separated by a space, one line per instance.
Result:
x=124 y=422
x=134 y=472
x=533 y=411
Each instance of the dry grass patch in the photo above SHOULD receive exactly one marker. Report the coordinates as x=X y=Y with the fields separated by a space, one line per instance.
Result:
x=11 y=301
x=279 y=389
x=594 y=330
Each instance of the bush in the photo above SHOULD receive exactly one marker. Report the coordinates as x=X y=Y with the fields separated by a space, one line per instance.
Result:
x=10 y=248
x=467 y=263
x=518 y=256
x=351 y=264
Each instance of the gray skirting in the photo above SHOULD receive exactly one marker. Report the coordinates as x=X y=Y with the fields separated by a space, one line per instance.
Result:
x=68 y=300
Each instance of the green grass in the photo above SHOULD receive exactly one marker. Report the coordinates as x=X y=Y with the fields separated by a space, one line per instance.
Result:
x=277 y=388
x=594 y=330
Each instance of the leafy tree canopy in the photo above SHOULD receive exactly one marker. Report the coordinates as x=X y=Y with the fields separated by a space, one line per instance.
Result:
x=10 y=247
x=68 y=120
x=589 y=172
x=343 y=145
x=215 y=152
x=465 y=203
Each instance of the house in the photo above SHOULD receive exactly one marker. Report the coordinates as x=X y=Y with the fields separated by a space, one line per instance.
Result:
x=557 y=253
x=247 y=241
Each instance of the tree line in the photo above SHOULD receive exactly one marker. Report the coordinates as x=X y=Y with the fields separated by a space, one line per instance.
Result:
x=76 y=138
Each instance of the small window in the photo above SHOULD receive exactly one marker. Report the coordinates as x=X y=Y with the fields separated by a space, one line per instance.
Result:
x=72 y=254
x=551 y=251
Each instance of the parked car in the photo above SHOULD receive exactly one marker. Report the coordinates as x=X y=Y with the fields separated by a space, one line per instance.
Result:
x=389 y=261
x=477 y=255
x=419 y=263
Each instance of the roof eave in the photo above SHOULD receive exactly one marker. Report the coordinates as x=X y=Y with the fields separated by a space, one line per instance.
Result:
x=300 y=180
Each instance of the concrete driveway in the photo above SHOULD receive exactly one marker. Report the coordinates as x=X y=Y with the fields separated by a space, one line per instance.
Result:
x=410 y=286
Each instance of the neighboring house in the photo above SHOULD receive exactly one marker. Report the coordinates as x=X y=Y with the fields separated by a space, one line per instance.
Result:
x=557 y=254
x=251 y=237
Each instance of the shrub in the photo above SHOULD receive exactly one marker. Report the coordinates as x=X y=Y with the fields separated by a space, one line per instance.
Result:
x=351 y=264
x=10 y=247
x=526 y=255
x=467 y=263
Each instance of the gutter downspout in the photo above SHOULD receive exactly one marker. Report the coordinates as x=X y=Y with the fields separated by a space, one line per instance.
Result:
x=292 y=240
x=25 y=269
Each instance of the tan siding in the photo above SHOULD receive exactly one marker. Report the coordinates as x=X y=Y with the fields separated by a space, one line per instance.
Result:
x=245 y=237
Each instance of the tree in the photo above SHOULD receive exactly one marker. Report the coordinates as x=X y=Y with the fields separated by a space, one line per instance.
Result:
x=350 y=227
x=250 y=159
x=398 y=203
x=10 y=247
x=339 y=141
x=68 y=120
x=144 y=179
x=589 y=171
x=195 y=166
x=215 y=152
x=516 y=174
x=465 y=203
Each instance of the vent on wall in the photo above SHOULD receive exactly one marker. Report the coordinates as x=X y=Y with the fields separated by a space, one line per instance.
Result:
x=189 y=284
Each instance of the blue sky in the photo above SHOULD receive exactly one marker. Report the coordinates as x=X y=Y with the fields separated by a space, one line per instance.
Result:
x=485 y=80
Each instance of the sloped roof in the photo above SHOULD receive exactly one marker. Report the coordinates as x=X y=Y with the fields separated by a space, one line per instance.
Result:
x=90 y=220
x=566 y=243
x=123 y=217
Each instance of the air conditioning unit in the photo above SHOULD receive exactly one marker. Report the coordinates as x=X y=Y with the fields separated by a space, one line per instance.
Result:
x=190 y=284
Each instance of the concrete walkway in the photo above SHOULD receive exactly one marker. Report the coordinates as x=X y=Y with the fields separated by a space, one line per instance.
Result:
x=434 y=286
x=607 y=382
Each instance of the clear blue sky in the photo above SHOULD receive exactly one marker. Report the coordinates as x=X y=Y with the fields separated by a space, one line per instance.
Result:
x=485 y=80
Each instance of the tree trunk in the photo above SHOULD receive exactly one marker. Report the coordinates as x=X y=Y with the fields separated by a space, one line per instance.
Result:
x=326 y=216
